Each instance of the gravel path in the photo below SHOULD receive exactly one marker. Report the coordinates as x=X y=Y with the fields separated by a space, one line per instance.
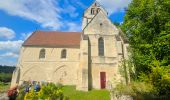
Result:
x=3 y=96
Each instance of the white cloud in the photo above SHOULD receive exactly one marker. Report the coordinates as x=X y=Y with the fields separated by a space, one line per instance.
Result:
x=9 y=54
x=12 y=46
x=69 y=7
x=114 y=5
x=44 y=12
x=73 y=27
x=6 y=33
x=48 y=13
x=71 y=10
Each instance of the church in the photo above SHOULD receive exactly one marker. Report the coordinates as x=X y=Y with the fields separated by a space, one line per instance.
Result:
x=87 y=59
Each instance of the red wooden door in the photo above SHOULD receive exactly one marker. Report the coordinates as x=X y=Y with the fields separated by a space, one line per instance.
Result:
x=103 y=79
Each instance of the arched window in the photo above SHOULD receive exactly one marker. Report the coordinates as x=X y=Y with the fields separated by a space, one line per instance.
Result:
x=63 y=53
x=101 y=46
x=42 y=54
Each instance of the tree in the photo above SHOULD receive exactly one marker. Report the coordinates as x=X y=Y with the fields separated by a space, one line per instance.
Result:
x=147 y=26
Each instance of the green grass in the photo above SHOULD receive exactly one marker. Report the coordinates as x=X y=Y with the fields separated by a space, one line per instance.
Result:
x=73 y=94
x=4 y=87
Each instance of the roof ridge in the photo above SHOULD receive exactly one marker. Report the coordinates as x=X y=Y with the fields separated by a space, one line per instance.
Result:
x=56 y=31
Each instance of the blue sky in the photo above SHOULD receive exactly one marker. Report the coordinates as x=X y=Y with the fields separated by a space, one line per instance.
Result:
x=19 y=18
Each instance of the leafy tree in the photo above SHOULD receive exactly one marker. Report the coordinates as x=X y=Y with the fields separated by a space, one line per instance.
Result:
x=159 y=78
x=6 y=69
x=147 y=26
x=117 y=24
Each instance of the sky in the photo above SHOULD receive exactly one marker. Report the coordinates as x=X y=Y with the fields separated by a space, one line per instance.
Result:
x=20 y=18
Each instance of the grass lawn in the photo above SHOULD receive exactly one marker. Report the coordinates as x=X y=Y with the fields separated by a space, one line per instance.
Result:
x=4 y=87
x=73 y=94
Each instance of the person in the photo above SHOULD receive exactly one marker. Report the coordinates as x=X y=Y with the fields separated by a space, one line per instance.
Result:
x=37 y=87
x=13 y=92
x=28 y=88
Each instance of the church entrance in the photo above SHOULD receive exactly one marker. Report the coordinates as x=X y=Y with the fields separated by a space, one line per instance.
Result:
x=103 y=80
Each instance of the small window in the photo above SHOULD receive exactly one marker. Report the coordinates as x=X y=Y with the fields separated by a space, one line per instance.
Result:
x=42 y=54
x=101 y=46
x=63 y=54
x=92 y=11
x=98 y=9
x=95 y=4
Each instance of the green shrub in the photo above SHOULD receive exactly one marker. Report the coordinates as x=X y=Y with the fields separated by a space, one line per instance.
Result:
x=134 y=88
x=21 y=93
x=49 y=92
x=159 y=77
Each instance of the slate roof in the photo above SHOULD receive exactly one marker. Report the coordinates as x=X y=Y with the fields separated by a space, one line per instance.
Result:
x=54 y=39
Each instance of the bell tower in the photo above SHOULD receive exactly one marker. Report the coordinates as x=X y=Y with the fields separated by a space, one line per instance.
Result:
x=91 y=12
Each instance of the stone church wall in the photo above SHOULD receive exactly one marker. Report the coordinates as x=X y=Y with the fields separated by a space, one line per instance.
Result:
x=111 y=74
x=52 y=69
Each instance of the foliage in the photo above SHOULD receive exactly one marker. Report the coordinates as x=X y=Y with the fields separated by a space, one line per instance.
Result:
x=6 y=69
x=58 y=92
x=4 y=87
x=134 y=88
x=117 y=24
x=49 y=92
x=5 y=77
x=6 y=73
x=159 y=77
x=21 y=93
x=13 y=92
x=126 y=70
x=139 y=91
x=147 y=26
x=73 y=94
x=55 y=92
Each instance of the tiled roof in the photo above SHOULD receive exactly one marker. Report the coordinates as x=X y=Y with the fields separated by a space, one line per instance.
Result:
x=54 y=39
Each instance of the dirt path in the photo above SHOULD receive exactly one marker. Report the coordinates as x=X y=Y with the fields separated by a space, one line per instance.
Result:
x=3 y=96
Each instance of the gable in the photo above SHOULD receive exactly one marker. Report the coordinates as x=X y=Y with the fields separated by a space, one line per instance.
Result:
x=101 y=24
x=95 y=4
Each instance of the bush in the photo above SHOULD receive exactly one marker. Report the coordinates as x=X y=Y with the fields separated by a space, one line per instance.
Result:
x=49 y=92
x=159 y=78
x=21 y=93
x=134 y=88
